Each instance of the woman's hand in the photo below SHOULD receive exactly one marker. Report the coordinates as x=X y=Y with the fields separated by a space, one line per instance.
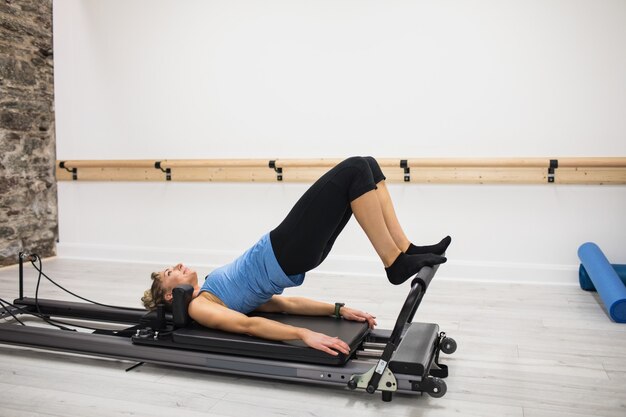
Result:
x=325 y=343
x=357 y=315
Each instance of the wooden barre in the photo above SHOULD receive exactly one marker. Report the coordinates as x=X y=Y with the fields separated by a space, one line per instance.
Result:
x=571 y=162
x=581 y=162
x=145 y=163
x=592 y=162
x=479 y=162
x=329 y=163
x=214 y=163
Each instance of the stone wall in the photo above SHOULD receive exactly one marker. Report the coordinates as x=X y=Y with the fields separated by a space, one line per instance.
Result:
x=28 y=193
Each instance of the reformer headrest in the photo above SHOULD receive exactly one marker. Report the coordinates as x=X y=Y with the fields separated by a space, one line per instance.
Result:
x=181 y=297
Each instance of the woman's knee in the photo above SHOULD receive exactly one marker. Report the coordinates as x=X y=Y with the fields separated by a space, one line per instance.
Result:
x=375 y=168
x=372 y=162
x=357 y=162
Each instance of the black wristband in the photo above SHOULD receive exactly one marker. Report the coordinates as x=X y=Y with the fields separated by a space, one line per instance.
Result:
x=337 y=308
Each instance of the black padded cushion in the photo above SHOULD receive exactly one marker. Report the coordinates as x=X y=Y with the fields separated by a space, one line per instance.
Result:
x=197 y=337
x=181 y=297
x=415 y=352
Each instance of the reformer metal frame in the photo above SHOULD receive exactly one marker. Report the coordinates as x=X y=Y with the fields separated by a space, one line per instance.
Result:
x=371 y=367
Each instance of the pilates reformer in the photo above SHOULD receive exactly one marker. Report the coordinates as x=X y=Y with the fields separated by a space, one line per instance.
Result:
x=403 y=360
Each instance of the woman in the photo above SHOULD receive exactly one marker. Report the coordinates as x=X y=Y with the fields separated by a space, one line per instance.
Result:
x=300 y=243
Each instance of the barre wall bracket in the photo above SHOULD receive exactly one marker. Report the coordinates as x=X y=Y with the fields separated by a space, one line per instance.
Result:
x=279 y=171
x=168 y=171
x=73 y=171
x=404 y=163
x=554 y=164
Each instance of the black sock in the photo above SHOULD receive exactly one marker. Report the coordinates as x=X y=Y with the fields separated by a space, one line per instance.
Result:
x=438 y=249
x=405 y=266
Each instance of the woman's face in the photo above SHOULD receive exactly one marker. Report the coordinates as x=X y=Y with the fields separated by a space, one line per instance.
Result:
x=177 y=275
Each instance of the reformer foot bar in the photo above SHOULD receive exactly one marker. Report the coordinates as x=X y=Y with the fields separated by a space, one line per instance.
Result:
x=403 y=360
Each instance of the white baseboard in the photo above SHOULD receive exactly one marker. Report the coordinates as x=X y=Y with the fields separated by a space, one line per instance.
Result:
x=478 y=271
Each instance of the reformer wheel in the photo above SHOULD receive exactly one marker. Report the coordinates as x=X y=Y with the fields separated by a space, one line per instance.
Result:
x=448 y=345
x=438 y=388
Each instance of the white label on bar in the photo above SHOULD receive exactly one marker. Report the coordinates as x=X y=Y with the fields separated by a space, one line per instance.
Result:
x=380 y=368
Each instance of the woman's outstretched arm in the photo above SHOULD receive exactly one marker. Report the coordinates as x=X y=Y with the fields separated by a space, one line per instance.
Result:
x=307 y=307
x=216 y=316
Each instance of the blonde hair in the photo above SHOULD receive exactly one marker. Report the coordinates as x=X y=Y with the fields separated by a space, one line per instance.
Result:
x=155 y=295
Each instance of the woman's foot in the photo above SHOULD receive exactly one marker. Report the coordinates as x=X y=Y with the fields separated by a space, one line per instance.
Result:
x=438 y=249
x=405 y=266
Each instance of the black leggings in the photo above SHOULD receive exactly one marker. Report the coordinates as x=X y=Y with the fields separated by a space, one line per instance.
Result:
x=304 y=239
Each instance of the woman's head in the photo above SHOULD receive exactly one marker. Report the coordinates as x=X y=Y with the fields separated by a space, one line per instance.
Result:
x=164 y=282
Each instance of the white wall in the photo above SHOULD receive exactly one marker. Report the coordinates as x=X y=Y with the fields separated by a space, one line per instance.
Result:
x=270 y=79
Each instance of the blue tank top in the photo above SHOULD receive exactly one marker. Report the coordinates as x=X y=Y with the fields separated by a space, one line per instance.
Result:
x=251 y=279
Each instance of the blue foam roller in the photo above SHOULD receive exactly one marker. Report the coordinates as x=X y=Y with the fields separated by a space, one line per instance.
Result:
x=611 y=289
x=585 y=281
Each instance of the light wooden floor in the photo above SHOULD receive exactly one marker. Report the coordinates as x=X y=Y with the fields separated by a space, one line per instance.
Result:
x=524 y=350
